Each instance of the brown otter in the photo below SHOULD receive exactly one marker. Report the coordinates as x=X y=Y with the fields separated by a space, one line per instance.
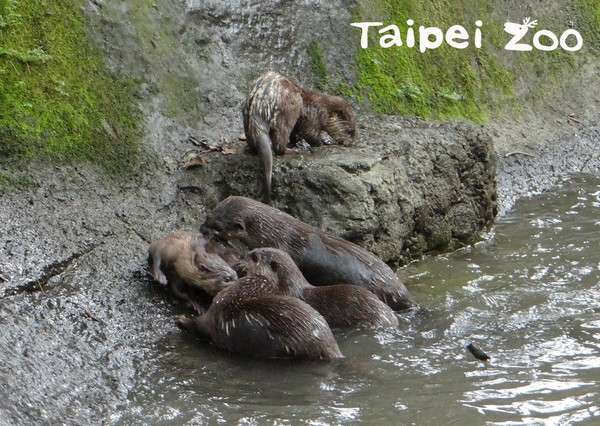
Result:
x=224 y=249
x=246 y=318
x=342 y=305
x=278 y=112
x=323 y=259
x=181 y=260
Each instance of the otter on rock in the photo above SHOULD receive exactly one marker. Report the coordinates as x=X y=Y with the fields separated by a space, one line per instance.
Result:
x=323 y=258
x=247 y=318
x=342 y=305
x=181 y=260
x=278 y=111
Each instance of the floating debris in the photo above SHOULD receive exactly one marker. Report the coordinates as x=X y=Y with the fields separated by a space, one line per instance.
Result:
x=478 y=353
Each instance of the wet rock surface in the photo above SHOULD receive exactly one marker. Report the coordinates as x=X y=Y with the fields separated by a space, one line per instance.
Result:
x=521 y=173
x=406 y=187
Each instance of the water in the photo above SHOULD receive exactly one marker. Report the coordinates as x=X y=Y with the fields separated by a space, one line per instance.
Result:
x=529 y=297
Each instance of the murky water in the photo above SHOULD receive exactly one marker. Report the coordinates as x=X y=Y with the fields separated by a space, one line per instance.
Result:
x=529 y=297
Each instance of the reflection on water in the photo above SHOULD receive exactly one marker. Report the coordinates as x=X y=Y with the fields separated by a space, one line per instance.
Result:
x=529 y=297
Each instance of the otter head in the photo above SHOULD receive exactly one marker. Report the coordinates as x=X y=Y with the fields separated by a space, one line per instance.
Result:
x=213 y=274
x=277 y=266
x=227 y=221
x=340 y=121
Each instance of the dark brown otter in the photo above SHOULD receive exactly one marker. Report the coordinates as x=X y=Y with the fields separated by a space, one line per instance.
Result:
x=278 y=111
x=181 y=260
x=247 y=318
x=342 y=305
x=323 y=259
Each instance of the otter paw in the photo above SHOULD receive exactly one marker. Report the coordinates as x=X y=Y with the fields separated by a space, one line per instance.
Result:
x=182 y=322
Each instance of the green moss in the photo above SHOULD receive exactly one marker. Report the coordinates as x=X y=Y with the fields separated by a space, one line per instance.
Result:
x=441 y=83
x=467 y=83
x=318 y=65
x=160 y=39
x=587 y=21
x=57 y=99
x=14 y=183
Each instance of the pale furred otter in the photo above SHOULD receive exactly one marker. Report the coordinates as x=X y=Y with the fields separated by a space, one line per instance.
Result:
x=323 y=259
x=246 y=318
x=181 y=260
x=342 y=305
x=278 y=111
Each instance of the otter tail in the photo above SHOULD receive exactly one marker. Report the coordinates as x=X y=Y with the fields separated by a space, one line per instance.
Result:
x=263 y=147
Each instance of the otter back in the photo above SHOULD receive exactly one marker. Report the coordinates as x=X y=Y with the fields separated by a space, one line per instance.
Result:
x=323 y=258
x=278 y=112
x=246 y=318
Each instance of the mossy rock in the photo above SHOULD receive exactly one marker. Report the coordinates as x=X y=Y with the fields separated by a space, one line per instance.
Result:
x=57 y=99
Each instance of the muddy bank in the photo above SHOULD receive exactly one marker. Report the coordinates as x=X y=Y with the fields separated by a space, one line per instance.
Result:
x=528 y=172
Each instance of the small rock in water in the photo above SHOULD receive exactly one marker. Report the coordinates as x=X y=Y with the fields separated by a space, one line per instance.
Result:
x=478 y=353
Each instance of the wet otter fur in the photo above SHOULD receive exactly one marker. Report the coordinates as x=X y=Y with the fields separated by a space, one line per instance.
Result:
x=247 y=318
x=323 y=259
x=278 y=111
x=342 y=305
x=182 y=261
x=224 y=249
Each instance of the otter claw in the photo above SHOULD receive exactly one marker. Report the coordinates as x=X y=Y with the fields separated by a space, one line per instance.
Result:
x=181 y=321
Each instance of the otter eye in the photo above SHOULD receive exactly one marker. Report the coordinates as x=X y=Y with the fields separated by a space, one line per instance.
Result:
x=274 y=266
x=254 y=257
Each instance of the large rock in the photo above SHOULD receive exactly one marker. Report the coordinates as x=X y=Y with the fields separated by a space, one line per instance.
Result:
x=405 y=188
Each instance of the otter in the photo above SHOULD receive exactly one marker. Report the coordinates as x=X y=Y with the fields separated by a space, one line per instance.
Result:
x=224 y=249
x=278 y=112
x=341 y=305
x=182 y=261
x=323 y=258
x=247 y=318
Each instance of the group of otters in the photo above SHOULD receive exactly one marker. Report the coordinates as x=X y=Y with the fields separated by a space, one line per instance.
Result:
x=296 y=281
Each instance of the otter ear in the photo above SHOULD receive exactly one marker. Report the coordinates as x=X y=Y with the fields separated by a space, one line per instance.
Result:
x=239 y=227
x=274 y=266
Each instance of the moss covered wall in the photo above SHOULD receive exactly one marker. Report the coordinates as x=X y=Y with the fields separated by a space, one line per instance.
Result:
x=470 y=83
x=57 y=99
x=193 y=62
